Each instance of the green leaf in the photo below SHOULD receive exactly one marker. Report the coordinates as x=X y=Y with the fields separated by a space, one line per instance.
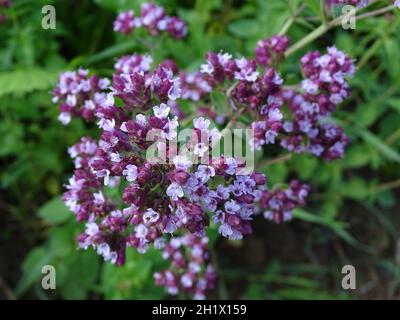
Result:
x=355 y=188
x=314 y=5
x=306 y=166
x=391 y=54
x=54 y=211
x=62 y=241
x=133 y=280
x=375 y=141
x=394 y=103
x=356 y=156
x=32 y=269
x=112 y=51
x=244 y=28
x=318 y=219
x=24 y=81
x=336 y=226
x=218 y=100
x=82 y=275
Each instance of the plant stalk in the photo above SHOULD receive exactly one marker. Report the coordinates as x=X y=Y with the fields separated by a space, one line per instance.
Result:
x=325 y=27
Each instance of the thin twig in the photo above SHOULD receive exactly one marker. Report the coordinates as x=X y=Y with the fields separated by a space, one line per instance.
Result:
x=376 y=12
x=323 y=28
x=386 y=186
x=291 y=20
x=393 y=137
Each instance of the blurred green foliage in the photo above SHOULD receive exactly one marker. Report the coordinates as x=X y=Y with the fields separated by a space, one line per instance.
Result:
x=353 y=213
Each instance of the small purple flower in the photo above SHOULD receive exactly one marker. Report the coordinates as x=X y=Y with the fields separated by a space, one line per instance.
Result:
x=204 y=173
x=174 y=191
x=150 y=216
x=130 y=172
x=125 y=22
x=161 y=111
x=153 y=18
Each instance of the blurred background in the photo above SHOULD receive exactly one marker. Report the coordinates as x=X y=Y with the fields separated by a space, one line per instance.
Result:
x=353 y=213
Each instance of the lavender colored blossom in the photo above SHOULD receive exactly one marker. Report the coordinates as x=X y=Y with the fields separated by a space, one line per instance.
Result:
x=80 y=95
x=134 y=63
x=190 y=270
x=324 y=88
x=154 y=19
x=168 y=204
x=279 y=204
x=125 y=22
x=271 y=49
x=194 y=86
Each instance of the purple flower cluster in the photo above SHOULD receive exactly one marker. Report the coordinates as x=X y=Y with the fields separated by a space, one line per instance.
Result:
x=190 y=271
x=133 y=64
x=279 y=204
x=79 y=95
x=326 y=74
x=253 y=90
x=310 y=131
x=157 y=199
x=221 y=67
x=154 y=19
x=136 y=87
x=324 y=87
x=194 y=86
x=270 y=50
x=85 y=197
x=298 y=119
x=132 y=188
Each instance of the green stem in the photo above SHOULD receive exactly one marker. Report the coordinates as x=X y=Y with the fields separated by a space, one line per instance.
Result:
x=307 y=39
x=386 y=186
x=376 y=45
x=286 y=26
x=323 y=12
x=322 y=29
x=291 y=20
x=376 y=12
x=393 y=137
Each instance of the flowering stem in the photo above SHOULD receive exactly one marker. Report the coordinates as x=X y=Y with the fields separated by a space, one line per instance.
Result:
x=376 y=12
x=322 y=29
x=290 y=21
x=307 y=39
